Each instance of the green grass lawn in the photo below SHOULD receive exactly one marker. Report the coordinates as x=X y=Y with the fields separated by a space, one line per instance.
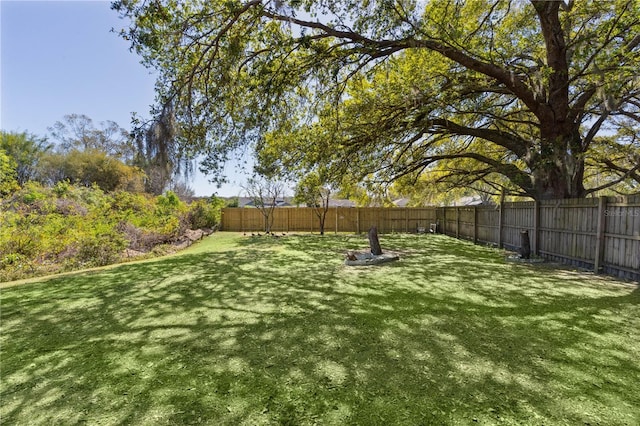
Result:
x=242 y=330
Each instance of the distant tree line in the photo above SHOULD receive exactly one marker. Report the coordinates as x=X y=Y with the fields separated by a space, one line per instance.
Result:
x=79 y=152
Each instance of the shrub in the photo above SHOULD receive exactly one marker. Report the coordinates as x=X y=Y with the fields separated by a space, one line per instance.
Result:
x=131 y=203
x=11 y=259
x=49 y=229
x=101 y=249
x=23 y=242
x=203 y=214
x=169 y=203
x=233 y=202
x=68 y=207
x=33 y=192
x=62 y=189
x=8 y=174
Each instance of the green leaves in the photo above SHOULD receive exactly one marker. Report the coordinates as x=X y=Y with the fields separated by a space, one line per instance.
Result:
x=391 y=87
x=53 y=229
x=8 y=175
x=24 y=151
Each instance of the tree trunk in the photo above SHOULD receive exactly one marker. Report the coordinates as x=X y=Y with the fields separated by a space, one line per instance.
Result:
x=322 y=217
x=374 y=243
x=558 y=171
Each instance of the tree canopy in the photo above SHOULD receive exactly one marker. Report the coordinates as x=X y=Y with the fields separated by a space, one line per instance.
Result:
x=83 y=154
x=8 y=175
x=78 y=132
x=264 y=193
x=25 y=151
x=314 y=190
x=528 y=96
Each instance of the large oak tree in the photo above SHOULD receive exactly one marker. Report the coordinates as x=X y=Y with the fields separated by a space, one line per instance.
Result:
x=517 y=89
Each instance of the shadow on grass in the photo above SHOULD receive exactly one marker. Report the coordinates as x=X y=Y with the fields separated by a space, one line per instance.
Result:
x=279 y=331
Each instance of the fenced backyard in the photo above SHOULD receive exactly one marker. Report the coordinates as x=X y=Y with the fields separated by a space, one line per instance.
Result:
x=602 y=233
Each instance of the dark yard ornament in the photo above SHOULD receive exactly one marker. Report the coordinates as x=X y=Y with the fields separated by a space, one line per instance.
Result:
x=374 y=242
x=524 y=254
x=525 y=245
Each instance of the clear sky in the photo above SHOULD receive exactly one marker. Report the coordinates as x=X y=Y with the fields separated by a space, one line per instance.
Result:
x=60 y=57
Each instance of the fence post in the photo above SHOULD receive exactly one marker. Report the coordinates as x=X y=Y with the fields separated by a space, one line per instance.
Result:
x=475 y=224
x=457 y=222
x=242 y=220
x=444 y=220
x=406 y=220
x=602 y=221
x=288 y=219
x=336 y=219
x=536 y=227
x=358 y=220
x=500 y=223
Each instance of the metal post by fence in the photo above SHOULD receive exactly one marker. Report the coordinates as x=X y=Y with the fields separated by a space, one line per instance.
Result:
x=500 y=224
x=406 y=221
x=475 y=224
x=444 y=220
x=536 y=228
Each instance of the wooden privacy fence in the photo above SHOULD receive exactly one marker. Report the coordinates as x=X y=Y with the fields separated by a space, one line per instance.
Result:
x=598 y=233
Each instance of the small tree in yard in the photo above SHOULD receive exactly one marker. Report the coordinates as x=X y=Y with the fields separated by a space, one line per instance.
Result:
x=264 y=193
x=314 y=191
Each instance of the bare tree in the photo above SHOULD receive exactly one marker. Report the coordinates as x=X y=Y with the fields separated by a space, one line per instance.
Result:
x=78 y=132
x=315 y=192
x=264 y=193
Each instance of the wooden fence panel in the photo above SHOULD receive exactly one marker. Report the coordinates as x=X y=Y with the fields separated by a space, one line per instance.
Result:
x=300 y=220
x=466 y=223
x=569 y=230
x=369 y=218
x=452 y=221
x=345 y=219
x=488 y=218
x=517 y=217
x=279 y=223
x=396 y=220
x=420 y=218
x=622 y=236
x=231 y=219
x=440 y=212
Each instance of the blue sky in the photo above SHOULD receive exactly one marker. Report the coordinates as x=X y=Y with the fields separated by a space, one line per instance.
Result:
x=60 y=57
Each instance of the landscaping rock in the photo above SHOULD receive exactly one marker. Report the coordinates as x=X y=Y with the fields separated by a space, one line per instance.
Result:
x=194 y=235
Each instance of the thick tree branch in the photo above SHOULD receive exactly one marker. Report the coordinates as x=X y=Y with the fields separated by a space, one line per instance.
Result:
x=509 y=170
x=506 y=140
x=556 y=49
x=381 y=48
x=624 y=174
